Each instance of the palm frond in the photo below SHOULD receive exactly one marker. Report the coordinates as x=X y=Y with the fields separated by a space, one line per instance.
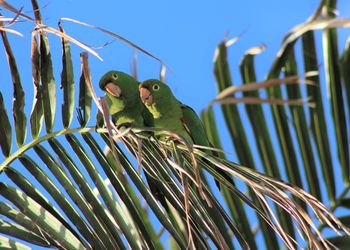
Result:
x=76 y=186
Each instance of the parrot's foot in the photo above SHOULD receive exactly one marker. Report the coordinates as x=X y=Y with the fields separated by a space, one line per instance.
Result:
x=146 y=134
x=122 y=127
x=98 y=126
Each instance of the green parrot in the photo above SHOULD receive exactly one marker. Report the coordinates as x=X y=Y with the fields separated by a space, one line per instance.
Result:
x=171 y=114
x=126 y=108
x=124 y=104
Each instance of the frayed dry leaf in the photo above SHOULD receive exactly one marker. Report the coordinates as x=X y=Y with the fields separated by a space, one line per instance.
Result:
x=232 y=41
x=104 y=109
x=318 y=11
x=227 y=44
x=114 y=35
x=277 y=226
x=318 y=24
x=5 y=19
x=134 y=65
x=181 y=170
x=10 y=21
x=194 y=163
x=122 y=133
x=15 y=18
x=256 y=50
x=11 y=31
x=101 y=46
x=257 y=100
x=275 y=190
x=266 y=84
x=162 y=73
x=49 y=29
x=14 y=10
x=67 y=37
x=210 y=149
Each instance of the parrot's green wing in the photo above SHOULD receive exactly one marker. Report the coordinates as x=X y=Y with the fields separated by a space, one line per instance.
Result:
x=195 y=129
x=194 y=126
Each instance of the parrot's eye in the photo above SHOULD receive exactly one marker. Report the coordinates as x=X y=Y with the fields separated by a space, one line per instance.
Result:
x=155 y=87
x=115 y=76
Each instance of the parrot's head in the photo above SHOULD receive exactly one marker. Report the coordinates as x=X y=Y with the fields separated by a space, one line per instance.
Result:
x=154 y=92
x=121 y=90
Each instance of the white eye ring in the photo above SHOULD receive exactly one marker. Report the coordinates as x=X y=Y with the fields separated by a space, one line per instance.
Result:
x=155 y=87
x=115 y=76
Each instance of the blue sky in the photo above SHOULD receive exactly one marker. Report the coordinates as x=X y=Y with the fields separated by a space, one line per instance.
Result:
x=184 y=34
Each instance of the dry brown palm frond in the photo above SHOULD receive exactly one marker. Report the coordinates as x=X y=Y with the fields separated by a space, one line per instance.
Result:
x=266 y=84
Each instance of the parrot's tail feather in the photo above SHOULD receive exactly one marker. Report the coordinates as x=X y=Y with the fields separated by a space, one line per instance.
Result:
x=152 y=183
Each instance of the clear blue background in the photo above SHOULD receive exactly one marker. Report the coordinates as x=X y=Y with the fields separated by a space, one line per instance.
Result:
x=184 y=34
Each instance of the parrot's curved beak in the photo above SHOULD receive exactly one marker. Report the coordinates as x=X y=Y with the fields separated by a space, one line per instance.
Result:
x=146 y=96
x=113 y=89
